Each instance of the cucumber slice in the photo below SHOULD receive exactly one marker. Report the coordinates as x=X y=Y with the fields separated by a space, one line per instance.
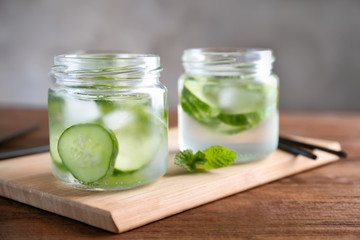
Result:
x=139 y=134
x=206 y=92
x=138 y=141
x=197 y=108
x=136 y=149
x=88 y=151
x=55 y=157
x=243 y=121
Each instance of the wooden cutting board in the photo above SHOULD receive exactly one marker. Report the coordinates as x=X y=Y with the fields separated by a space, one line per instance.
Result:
x=29 y=180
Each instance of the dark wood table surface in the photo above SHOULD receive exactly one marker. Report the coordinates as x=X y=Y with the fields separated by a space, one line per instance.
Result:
x=322 y=203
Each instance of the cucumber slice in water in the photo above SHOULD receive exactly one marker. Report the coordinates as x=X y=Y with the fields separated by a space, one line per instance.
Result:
x=136 y=149
x=199 y=109
x=139 y=134
x=205 y=92
x=54 y=140
x=88 y=151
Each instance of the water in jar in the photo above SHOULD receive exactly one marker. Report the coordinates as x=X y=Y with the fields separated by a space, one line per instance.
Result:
x=138 y=130
x=237 y=112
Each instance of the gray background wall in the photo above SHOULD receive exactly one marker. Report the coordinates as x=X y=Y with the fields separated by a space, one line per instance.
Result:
x=317 y=43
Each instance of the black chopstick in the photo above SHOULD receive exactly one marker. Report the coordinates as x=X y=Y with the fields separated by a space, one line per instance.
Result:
x=311 y=146
x=23 y=152
x=295 y=150
x=18 y=134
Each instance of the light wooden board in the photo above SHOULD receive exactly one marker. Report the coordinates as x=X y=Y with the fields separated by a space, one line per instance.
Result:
x=29 y=180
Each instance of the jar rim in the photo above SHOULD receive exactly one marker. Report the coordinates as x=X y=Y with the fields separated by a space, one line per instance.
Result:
x=229 y=50
x=115 y=65
x=228 y=60
x=105 y=56
x=214 y=54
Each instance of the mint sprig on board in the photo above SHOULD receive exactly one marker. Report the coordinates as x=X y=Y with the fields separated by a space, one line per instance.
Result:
x=211 y=158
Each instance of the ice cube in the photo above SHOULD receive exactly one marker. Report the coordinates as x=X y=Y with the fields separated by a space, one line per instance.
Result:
x=80 y=111
x=118 y=119
x=239 y=100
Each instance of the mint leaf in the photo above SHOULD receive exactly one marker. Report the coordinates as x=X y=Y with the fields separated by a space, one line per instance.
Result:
x=211 y=158
x=188 y=160
x=217 y=157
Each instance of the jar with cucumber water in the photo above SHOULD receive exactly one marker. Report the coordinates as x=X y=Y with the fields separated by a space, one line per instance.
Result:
x=229 y=97
x=108 y=120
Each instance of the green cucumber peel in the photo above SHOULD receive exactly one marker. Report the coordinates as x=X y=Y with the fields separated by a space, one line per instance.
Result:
x=88 y=151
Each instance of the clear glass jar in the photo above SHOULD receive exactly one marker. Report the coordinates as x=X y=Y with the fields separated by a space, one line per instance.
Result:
x=229 y=97
x=108 y=120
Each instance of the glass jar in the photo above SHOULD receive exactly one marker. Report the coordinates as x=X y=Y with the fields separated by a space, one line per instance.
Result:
x=108 y=120
x=229 y=97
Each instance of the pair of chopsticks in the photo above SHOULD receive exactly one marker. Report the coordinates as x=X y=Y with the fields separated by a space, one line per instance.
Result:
x=21 y=152
x=297 y=147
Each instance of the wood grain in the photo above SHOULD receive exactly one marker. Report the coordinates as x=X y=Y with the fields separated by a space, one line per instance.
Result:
x=29 y=180
x=323 y=203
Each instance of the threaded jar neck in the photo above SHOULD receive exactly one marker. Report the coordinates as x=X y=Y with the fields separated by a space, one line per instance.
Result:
x=105 y=68
x=228 y=61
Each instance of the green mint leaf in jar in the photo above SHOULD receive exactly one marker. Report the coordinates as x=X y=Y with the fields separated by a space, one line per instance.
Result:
x=229 y=97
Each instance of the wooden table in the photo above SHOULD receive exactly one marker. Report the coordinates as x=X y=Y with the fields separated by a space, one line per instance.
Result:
x=322 y=203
